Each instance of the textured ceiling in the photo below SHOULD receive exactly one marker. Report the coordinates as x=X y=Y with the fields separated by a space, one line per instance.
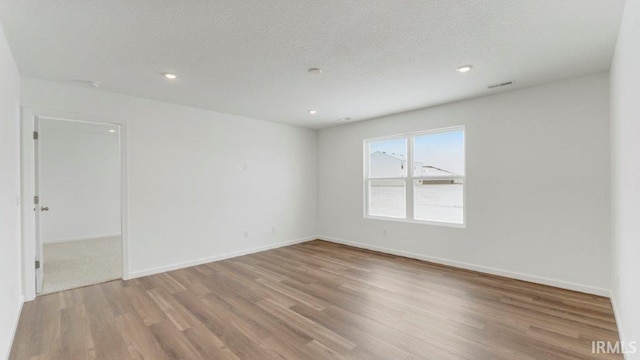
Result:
x=251 y=57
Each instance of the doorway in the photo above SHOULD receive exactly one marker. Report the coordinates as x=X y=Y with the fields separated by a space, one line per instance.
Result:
x=78 y=210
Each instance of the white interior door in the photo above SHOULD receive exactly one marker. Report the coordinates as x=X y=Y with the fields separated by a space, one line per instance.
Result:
x=77 y=183
x=38 y=208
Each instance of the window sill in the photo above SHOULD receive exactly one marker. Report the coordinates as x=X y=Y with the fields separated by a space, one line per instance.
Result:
x=422 y=222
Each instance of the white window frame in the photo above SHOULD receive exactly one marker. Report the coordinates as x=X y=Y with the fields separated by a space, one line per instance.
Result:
x=410 y=178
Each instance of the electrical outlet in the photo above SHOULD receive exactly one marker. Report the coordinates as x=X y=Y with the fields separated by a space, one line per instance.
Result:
x=246 y=234
x=384 y=232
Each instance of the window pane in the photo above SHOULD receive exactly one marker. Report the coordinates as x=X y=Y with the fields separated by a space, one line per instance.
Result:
x=439 y=155
x=439 y=200
x=387 y=198
x=388 y=159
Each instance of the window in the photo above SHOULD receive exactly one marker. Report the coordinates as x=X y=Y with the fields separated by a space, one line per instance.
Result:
x=429 y=191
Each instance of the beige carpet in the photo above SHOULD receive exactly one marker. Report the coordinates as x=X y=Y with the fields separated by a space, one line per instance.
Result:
x=74 y=264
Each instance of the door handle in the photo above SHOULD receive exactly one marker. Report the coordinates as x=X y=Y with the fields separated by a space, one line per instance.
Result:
x=44 y=208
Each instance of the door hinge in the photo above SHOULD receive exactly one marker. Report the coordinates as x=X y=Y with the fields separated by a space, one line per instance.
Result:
x=36 y=200
x=35 y=135
x=37 y=264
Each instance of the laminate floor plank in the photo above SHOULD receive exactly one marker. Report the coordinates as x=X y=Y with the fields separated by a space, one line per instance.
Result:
x=316 y=300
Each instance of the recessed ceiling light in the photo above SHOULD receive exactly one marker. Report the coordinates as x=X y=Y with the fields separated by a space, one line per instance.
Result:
x=313 y=112
x=464 y=68
x=112 y=131
x=315 y=71
x=170 y=76
x=345 y=119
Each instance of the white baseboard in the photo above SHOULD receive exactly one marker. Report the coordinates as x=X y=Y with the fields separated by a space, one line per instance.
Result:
x=14 y=329
x=463 y=265
x=77 y=238
x=618 y=318
x=185 y=264
x=483 y=269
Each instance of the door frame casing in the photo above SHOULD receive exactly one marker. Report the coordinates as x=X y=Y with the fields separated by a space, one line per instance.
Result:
x=28 y=190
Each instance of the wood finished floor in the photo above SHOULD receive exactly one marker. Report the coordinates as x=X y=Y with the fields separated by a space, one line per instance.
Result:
x=315 y=300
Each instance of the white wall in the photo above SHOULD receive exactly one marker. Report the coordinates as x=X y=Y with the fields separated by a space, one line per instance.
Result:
x=189 y=196
x=10 y=252
x=537 y=185
x=79 y=180
x=625 y=169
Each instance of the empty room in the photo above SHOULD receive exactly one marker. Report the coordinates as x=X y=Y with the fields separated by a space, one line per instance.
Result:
x=306 y=179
